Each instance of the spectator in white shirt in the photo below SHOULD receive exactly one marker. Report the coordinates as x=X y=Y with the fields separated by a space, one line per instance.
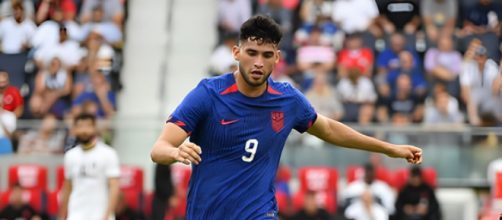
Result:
x=366 y=209
x=231 y=14
x=6 y=8
x=16 y=31
x=222 y=60
x=110 y=31
x=68 y=51
x=113 y=11
x=358 y=96
x=356 y=15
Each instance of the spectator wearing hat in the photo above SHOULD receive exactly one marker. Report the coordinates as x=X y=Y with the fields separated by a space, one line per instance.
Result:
x=417 y=200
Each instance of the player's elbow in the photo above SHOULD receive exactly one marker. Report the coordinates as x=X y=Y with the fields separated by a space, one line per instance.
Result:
x=155 y=155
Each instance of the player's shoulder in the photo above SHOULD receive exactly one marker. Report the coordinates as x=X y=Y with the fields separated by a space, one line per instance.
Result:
x=73 y=152
x=281 y=88
x=105 y=148
x=216 y=83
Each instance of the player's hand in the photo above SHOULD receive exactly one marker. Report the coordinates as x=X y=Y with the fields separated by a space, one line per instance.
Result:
x=412 y=154
x=188 y=153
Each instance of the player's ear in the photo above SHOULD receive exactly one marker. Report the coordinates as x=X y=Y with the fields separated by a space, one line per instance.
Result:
x=278 y=56
x=236 y=52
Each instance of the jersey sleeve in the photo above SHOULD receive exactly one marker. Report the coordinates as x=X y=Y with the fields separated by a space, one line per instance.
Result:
x=305 y=114
x=113 y=165
x=192 y=109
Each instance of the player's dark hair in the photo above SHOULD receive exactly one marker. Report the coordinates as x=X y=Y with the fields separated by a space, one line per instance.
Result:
x=85 y=117
x=261 y=28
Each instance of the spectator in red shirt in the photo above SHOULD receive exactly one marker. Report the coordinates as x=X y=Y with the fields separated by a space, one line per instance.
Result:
x=12 y=99
x=48 y=7
x=354 y=54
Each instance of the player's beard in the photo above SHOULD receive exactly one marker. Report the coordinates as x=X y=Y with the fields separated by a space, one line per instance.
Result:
x=247 y=77
x=85 y=139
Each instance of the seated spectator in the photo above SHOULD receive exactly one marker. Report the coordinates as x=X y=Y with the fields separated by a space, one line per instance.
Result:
x=284 y=17
x=231 y=14
x=48 y=33
x=48 y=139
x=12 y=99
x=311 y=11
x=317 y=13
x=442 y=108
x=401 y=16
x=408 y=67
x=124 y=212
x=67 y=51
x=404 y=107
x=16 y=31
x=439 y=17
x=222 y=60
x=7 y=127
x=101 y=100
x=417 y=200
x=354 y=54
x=314 y=54
x=324 y=98
x=481 y=22
x=82 y=81
x=113 y=11
x=18 y=209
x=109 y=30
x=51 y=88
x=478 y=74
x=382 y=193
x=310 y=210
x=47 y=7
x=366 y=209
x=444 y=64
x=6 y=9
x=358 y=96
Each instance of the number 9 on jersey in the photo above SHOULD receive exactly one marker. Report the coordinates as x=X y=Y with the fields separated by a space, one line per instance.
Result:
x=250 y=147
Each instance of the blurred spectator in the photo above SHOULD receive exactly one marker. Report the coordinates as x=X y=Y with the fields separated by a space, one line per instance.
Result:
x=317 y=13
x=48 y=33
x=284 y=17
x=48 y=139
x=417 y=200
x=310 y=210
x=66 y=50
x=108 y=29
x=408 y=67
x=16 y=31
x=113 y=11
x=358 y=96
x=12 y=99
x=51 y=88
x=442 y=108
x=231 y=14
x=478 y=74
x=6 y=9
x=315 y=54
x=399 y=15
x=314 y=11
x=164 y=192
x=8 y=126
x=353 y=16
x=222 y=60
x=439 y=17
x=124 y=212
x=82 y=81
x=497 y=93
x=48 y=7
x=482 y=22
x=324 y=97
x=18 y=209
x=354 y=54
x=382 y=193
x=404 y=106
x=100 y=102
x=443 y=64
x=366 y=209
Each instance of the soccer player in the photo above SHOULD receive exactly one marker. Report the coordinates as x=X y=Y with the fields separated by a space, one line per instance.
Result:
x=238 y=124
x=91 y=185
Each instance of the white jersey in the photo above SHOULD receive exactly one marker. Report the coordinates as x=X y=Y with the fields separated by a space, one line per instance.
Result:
x=89 y=172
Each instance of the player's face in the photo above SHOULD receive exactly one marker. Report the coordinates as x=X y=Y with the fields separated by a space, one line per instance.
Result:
x=256 y=61
x=85 y=131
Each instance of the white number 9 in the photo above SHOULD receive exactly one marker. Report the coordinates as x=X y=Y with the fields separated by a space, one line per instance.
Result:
x=251 y=147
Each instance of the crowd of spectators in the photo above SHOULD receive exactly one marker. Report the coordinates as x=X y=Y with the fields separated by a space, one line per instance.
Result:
x=385 y=61
x=58 y=58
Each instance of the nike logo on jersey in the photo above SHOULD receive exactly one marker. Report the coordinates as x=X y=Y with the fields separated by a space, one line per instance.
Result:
x=224 y=122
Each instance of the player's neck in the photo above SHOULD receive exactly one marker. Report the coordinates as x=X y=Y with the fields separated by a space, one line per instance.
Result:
x=247 y=90
x=90 y=145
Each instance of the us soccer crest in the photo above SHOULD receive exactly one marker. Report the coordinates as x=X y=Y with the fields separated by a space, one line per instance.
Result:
x=277 y=121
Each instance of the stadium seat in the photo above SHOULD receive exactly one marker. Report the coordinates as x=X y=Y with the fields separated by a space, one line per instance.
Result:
x=322 y=180
x=131 y=178
x=283 y=202
x=429 y=175
x=355 y=172
x=181 y=178
x=147 y=205
x=134 y=199
x=59 y=177
x=53 y=201
x=28 y=176
x=35 y=197
x=497 y=188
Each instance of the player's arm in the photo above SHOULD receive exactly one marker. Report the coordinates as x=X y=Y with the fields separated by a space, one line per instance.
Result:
x=63 y=209
x=169 y=147
x=339 y=134
x=113 y=195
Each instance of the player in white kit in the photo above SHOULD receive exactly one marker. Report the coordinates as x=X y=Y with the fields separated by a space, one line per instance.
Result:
x=92 y=170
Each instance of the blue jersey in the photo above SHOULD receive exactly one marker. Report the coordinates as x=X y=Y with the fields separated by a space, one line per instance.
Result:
x=241 y=139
